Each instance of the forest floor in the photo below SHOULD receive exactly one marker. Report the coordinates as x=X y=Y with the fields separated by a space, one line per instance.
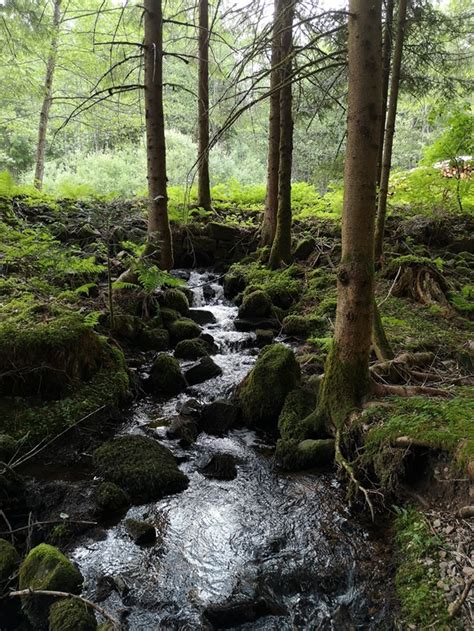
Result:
x=416 y=455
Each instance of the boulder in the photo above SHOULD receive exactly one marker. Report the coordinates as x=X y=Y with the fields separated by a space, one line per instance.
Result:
x=294 y=455
x=141 y=466
x=9 y=561
x=183 y=329
x=219 y=416
x=166 y=377
x=190 y=407
x=174 y=299
x=264 y=390
x=302 y=326
x=202 y=316
x=304 y=248
x=110 y=498
x=221 y=467
x=222 y=232
x=184 y=429
x=151 y=339
x=169 y=316
x=299 y=404
x=256 y=304
x=252 y=324
x=191 y=349
x=207 y=337
x=238 y=612
x=263 y=337
x=203 y=370
x=70 y=614
x=234 y=283
x=141 y=532
x=46 y=568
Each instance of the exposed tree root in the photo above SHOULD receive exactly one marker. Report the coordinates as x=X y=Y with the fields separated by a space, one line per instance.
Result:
x=421 y=281
x=455 y=607
x=401 y=367
x=386 y=390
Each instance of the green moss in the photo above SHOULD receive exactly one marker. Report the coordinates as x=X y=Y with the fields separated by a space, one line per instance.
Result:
x=46 y=568
x=294 y=455
x=71 y=614
x=140 y=466
x=9 y=561
x=111 y=498
x=184 y=329
x=165 y=376
x=422 y=602
x=256 y=304
x=8 y=447
x=59 y=534
x=175 y=299
x=327 y=307
x=264 y=390
x=282 y=286
x=302 y=326
x=154 y=339
x=304 y=248
x=298 y=405
x=169 y=316
x=463 y=302
x=191 y=349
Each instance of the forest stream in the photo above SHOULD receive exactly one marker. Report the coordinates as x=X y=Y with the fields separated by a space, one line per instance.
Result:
x=261 y=551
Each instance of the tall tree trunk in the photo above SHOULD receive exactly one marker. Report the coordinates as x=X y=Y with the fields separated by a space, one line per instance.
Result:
x=281 y=247
x=47 y=97
x=386 y=59
x=346 y=380
x=204 y=187
x=159 y=233
x=390 y=129
x=271 y=201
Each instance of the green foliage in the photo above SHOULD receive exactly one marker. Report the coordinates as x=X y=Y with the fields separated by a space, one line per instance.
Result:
x=9 y=561
x=457 y=139
x=422 y=602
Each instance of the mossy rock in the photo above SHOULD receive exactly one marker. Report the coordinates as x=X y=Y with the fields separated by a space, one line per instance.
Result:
x=175 y=299
x=206 y=368
x=152 y=339
x=46 y=568
x=304 y=249
x=166 y=377
x=298 y=405
x=8 y=447
x=142 y=467
x=184 y=329
x=234 y=283
x=191 y=349
x=110 y=498
x=126 y=327
x=256 y=304
x=140 y=531
x=294 y=455
x=169 y=316
x=302 y=326
x=327 y=307
x=264 y=390
x=71 y=614
x=9 y=561
x=280 y=296
x=48 y=359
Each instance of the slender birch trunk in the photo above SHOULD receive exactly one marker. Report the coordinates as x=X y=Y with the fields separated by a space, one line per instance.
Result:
x=204 y=187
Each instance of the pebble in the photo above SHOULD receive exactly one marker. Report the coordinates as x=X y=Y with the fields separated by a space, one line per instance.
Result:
x=437 y=523
x=467 y=570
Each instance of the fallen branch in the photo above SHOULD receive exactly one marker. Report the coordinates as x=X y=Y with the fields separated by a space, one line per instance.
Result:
x=46 y=592
x=386 y=390
x=455 y=607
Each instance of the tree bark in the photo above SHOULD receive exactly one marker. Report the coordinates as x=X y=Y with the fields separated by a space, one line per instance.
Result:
x=380 y=342
x=390 y=129
x=281 y=247
x=271 y=201
x=386 y=59
x=160 y=246
x=346 y=379
x=47 y=97
x=204 y=187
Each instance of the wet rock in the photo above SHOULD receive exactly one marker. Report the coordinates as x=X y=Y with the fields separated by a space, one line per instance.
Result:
x=105 y=585
x=46 y=568
x=154 y=339
x=9 y=561
x=174 y=299
x=257 y=304
x=191 y=349
x=304 y=249
x=205 y=369
x=208 y=292
x=184 y=429
x=166 y=377
x=219 y=416
x=190 y=407
x=221 y=467
x=169 y=316
x=141 y=532
x=70 y=614
x=234 y=284
x=110 y=498
x=264 y=390
x=299 y=404
x=184 y=329
x=263 y=337
x=302 y=326
x=252 y=324
x=141 y=466
x=207 y=337
x=202 y=316
x=236 y=613
x=306 y=454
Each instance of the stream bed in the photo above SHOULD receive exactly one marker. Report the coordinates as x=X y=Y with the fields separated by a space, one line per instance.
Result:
x=263 y=551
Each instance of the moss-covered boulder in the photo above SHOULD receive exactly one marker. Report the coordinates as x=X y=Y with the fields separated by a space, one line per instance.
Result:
x=46 y=568
x=264 y=337
x=256 y=304
x=221 y=467
x=9 y=561
x=141 y=532
x=71 y=614
x=294 y=455
x=175 y=299
x=304 y=248
x=141 y=466
x=8 y=447
x=169 y=316
x=110 y=498
x=191 y=349
x=153 y=339
x=302 y=326
x=264 y=390
x=184 y=329
x=206 y=368
x=234 y=283
x=48 y=359
x=298 y=405
x=166 y=377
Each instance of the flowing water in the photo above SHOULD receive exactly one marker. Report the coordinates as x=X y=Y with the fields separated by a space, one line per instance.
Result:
x=287 y=540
